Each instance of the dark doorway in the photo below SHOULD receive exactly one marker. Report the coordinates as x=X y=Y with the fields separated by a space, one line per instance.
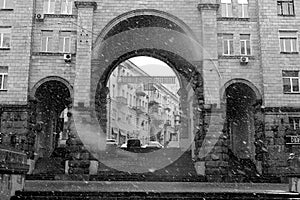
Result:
x=53 y=99
x=240 y=117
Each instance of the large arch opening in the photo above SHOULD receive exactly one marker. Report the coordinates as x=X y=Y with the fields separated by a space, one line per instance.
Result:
x=159 y=38
x=53 y=99
x=144 y=104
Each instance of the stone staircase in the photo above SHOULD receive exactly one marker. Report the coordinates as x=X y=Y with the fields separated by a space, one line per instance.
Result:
x=63 y=190
x=181 y=169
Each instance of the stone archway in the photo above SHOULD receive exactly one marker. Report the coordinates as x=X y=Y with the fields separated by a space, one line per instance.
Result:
x=51 y=98
x=144 y=34
x=244 y=127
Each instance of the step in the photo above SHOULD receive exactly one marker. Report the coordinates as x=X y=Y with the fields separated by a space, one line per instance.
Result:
x=61 y=190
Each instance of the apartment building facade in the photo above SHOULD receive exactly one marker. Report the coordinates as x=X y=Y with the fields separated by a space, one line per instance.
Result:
x=237 y=61
x=140 y=109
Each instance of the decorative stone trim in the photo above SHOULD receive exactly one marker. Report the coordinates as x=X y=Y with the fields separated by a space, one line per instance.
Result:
x=10 y=107
x=6 y=9
x=51 y=54
x=292 y=16
x=282 y=109
x=85 y=4
x=208 y=6
x=59 y=16
x=236 y=57
x=233 y=19
x=289 y=52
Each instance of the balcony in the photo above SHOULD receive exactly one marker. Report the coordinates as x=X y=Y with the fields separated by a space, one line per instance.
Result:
x=153 y=103
x=167 y=107
x=121 y=100
x=140 y=93
x=139 y=109
x=168 y=122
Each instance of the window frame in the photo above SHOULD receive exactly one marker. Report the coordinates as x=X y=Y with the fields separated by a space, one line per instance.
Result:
x=5 y=30
x=291 y=78
x=293 y=123
x=227 y=7
x=63 y=50
x=291 y=38
x=48 y=37
x=66 y=7
x=3 y=74
x=228 y=41
x=246 y=47
x=5 y=4
x=48 y=8
x=244 y=6
x=281 y=3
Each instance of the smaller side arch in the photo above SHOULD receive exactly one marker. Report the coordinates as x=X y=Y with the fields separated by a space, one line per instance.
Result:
x=50 y=78
x=239 y=80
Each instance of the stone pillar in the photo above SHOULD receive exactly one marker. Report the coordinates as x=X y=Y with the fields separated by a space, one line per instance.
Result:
x=82 y=85
x=208 y=13
x=215 y=145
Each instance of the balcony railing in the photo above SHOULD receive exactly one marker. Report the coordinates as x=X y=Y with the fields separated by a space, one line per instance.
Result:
x=121 y=100
x=168 y=122
x=139 y=109
x=140 y=93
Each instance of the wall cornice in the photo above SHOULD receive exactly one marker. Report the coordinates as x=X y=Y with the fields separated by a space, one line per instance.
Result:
x=208 y=6
x=86 y=4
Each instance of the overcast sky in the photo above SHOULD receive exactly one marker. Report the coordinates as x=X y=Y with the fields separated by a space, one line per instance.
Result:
x=152 y=66
x=155 y=67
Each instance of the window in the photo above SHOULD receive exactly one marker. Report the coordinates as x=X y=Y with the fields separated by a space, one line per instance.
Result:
x=290 y=81
x=127 y=98
x=65 y=45
x=122 y=116
x=65 y=42
x=114 y=114
x=226 y=8
x=227 y=44
x=243 y=8
x=285 y=7
x=288 y=41
x=66 y=7
x=113 y=90
x=130 y=100
x=3 y=77
x=47 y=41
x=245 y=44
x=5 y=35
x=49 y=6
x=294 y=122
x=4 y=4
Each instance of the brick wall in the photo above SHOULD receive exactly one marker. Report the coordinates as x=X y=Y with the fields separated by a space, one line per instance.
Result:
x=229 y=66
x=273 y=62
x=17 y=58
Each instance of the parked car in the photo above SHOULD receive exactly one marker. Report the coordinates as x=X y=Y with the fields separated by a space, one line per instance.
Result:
x=132 y=144
x=153 y=144
x=123 y=146
x=111 y=142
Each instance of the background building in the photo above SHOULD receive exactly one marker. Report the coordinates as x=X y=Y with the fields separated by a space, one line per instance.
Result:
x=57 y=55
x=141 y=110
